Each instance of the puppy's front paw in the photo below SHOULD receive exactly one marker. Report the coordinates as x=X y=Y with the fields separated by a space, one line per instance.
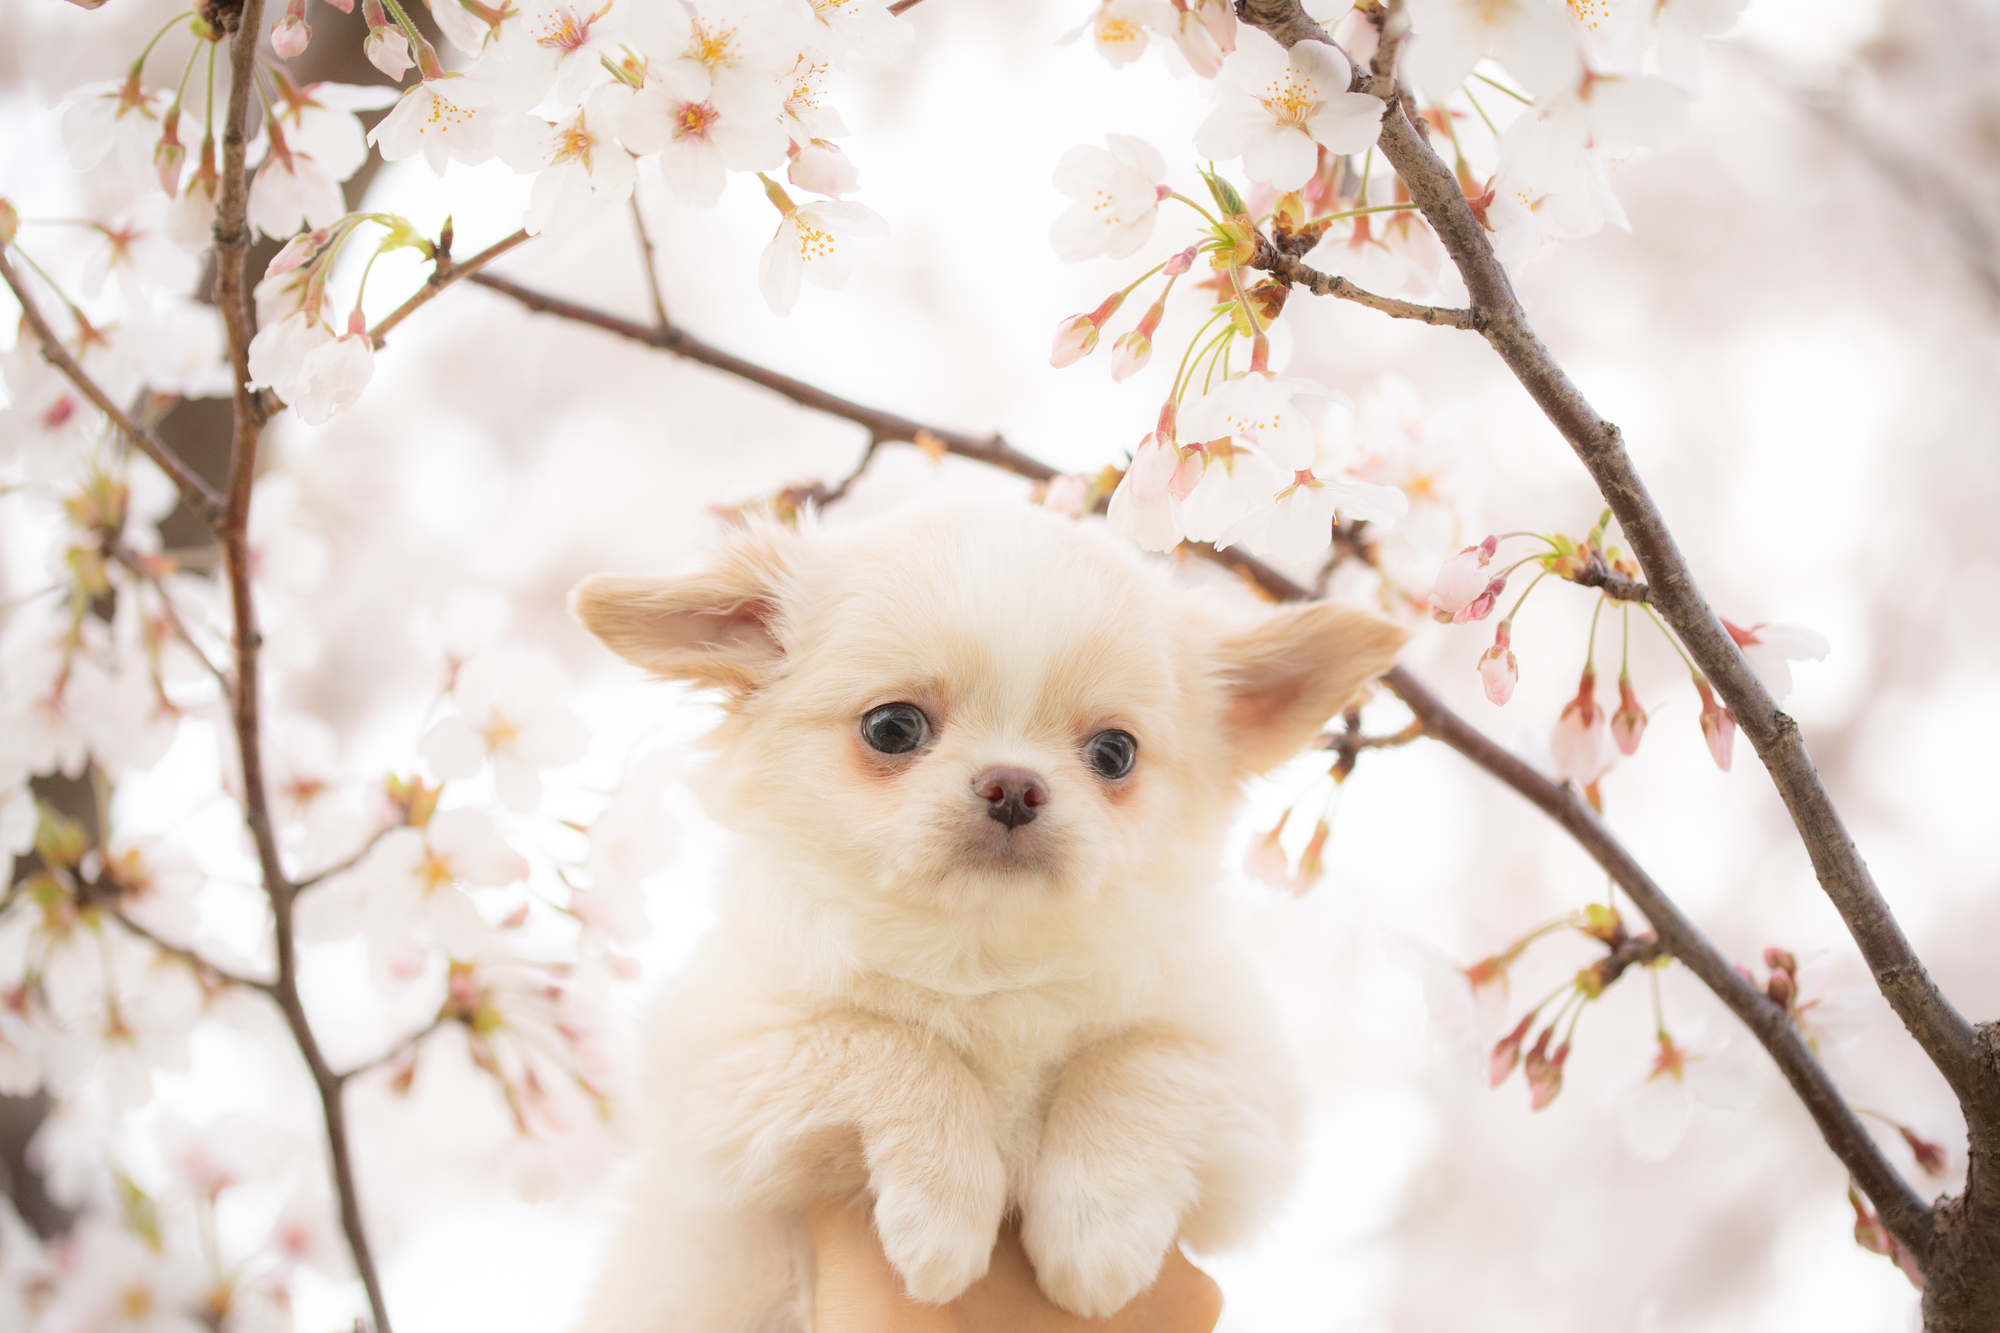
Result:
x=1095 y=1245
x=938 y=1225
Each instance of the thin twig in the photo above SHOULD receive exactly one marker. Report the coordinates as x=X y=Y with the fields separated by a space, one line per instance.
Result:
x=250 y=411
x=195 y=493
x=653 y=288
x=345 y=864
x=1292 y=269
x=185 y=954
x=1597 y=574
x=903 y=5
x=443 y=275
x=395 y=1052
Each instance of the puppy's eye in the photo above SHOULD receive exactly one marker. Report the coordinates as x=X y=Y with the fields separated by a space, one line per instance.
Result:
x=1112 y=753
x=894 y=728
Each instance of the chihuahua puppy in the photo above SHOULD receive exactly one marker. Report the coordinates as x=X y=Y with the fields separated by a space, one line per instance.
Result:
x=979 y=762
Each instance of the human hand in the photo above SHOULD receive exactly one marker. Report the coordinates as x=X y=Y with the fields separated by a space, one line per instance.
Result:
x=858 y=1292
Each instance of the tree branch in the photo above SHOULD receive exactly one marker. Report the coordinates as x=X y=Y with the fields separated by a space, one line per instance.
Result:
x=881 y=426
x=1939 y=1029
x=1292 y=269
x=232 y=298
x=443 y=274
x=195 y=493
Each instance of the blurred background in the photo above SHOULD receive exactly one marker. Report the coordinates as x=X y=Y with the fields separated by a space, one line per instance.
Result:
x=1799 y=336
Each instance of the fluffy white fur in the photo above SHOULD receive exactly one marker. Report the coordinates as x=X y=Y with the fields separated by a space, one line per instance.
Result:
x=903 y=995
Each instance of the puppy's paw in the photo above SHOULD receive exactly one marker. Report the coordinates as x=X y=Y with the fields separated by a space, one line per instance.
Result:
x=1094 y=1247
x=938 y=1226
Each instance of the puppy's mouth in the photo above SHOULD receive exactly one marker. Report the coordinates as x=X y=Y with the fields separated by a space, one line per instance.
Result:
x=1008 y=849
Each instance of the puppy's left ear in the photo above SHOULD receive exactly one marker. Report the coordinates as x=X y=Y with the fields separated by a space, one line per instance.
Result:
x=1285 y=678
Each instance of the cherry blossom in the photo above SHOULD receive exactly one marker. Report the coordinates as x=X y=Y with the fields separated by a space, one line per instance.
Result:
x=1771 y=648
x=807 y=117
x=117 y=1283
x=279 y=352
x=728 y=46
x=135 y=250
x=413 y=885
x=1581 y=743
x=1118 y=189
x=1683 y=29
x=445 y=119
x=1466 y=587
x=386 y=47
x=1498 y=671
x=547 y=46
x=101 y=117
x=333 y=375
x=1261 y=409
x=1718 y=725
x=704 y=130
x=1119 y=28
x=1204 y=33
x=1233 y=480
x=631 y=840
x=507 y=714
x=808 y=246
x=821 y=167
x=1653 y=1109
x=292 y=192
x=1274 y=107
x=1142 y=508
x=1448 y=37
x=291 y=35
x=1297 y=525
x=864 y=29
x=576 y=158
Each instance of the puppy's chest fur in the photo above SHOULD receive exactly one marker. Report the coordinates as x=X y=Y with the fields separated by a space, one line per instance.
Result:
x=1016 y=1043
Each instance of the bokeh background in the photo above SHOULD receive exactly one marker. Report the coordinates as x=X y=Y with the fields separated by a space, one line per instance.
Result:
x=1798 y=336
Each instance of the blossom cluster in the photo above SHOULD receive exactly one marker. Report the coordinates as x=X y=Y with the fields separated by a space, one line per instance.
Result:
x=1576 y=89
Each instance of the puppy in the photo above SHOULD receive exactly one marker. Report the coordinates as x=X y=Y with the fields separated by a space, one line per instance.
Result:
x=979 y=762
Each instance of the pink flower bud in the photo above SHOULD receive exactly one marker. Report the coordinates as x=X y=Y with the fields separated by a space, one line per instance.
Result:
x=1544 y=1071
x=289 y=38
x=1312 y=864
x=1169 y=411
x=1265 y=861
x=1180 y=263
x=297 y=250
x=1930 y=1156
x=1076 y=338
x=1462 y=581
x=1782 y=989
x=1188 y=475
x=1507 y=1053
x=389 y=51
x=1497 y=669
x=1481 y=606
x=1152 y=470
x=344 y=6
x=1130 y=354
x=1581 y=743
x=1718 y=726
x=1780 y=960
x=1628 y=724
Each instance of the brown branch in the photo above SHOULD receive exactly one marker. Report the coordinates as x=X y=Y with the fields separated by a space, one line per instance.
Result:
x=195 y=493
x=1945 y=1036
x=881 y=426
x=1294 y=270
x=345 y=864
x=903 y=5
x=653 y=288
x=395 y=1052
x=1906 y=1215
x=1597 y=574
x=250 y=411
x=443 y=275
x=186 y=955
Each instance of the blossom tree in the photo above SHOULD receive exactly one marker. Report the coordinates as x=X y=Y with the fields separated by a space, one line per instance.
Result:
x=1410 y=159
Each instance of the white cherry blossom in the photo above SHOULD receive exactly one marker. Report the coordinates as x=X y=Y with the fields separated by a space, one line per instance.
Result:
x=1118 y=189
x=1143 y=509
x=279 y=351
x=548 y=46
x=507 y=713
x=806 y=114
x=1684 y=27
x=1234 y=479
x=864 y=29
x=575 y=159
x=447 y=120
x=821 y=167
x=1120 y=28
x=413 y=886
x=1261 y=409
x=291 y=192
x=1297 y=525
x=101 y=117
x=809 y=245
x=333 y=376
x=702 y=130
x=1530 y=38
x=1771 y=648
x=1274 y=108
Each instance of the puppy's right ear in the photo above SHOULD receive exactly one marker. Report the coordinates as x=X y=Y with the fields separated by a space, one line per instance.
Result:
x=719 y=628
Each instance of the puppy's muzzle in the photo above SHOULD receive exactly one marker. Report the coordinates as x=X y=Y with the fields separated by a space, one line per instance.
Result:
x=1012 y=795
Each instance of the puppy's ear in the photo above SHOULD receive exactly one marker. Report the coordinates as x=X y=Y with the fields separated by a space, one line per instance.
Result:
x=1302 y=665
x=717 y=628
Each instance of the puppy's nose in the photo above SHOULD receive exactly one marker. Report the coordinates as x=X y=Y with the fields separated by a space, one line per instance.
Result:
x=1011 y=794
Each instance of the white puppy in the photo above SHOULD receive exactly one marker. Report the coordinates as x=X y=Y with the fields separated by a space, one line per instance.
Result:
x=979 y=762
